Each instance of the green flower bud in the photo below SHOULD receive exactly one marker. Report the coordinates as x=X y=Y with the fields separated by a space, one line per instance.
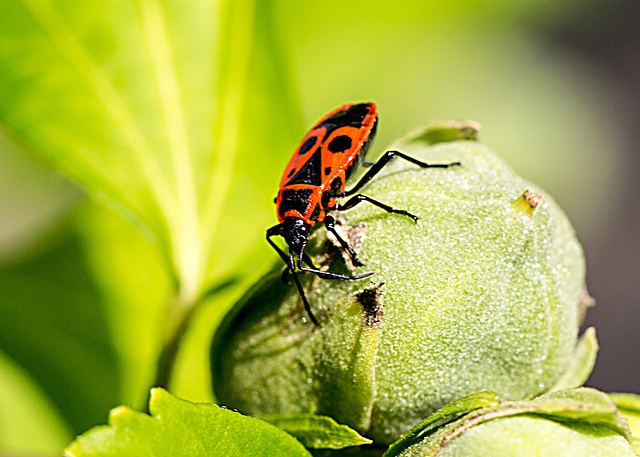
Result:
x=573 y=423
x=482 y=293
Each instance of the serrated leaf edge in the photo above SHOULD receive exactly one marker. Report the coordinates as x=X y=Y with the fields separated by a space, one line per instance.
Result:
x=343 y=432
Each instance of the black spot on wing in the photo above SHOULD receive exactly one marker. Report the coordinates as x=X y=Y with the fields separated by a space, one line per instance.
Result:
x=310 y=172
x=365 y=147
x=340 y=143
x=307 y=145
x=352 y=116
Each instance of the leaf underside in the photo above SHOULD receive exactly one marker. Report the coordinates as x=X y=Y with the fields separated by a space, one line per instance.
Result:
x=162 y=109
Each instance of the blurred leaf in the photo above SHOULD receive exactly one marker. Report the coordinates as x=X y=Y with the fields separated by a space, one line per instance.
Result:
x=626 y=401
x=444 y=131
x=316 y=432
x=32 y=202
x=268 y=131
x=179 y=428
x=162 y=108
x=29 y=422
x=629 y=407
x=134 y=286
x=53 y=322
x=247 y=177
x=191 y=378
x=69 y=90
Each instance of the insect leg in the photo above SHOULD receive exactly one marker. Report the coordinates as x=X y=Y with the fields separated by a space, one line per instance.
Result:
x=275 y=230
x=306 y=259
x=285 y=273
x=329 y=223
x=353 y=201
x=385 y=159
x=288 y=260
x=329 y=275
x=305 y=302
x=326 y=274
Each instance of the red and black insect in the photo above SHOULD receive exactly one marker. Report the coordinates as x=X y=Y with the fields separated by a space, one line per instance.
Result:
x=316 y=176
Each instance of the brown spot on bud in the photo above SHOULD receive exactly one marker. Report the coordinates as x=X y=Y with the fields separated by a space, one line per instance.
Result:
x=532 y=198
x=371 y=300
x=527 y=202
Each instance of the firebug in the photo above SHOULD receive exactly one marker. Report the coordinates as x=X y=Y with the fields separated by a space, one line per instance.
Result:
x=315 y=178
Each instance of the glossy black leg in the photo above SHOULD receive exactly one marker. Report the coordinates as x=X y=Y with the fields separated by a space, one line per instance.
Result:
x=329 y=223
x=385 y=159
x=353 y=201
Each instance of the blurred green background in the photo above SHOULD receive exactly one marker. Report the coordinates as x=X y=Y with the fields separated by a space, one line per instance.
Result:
x=169 y=123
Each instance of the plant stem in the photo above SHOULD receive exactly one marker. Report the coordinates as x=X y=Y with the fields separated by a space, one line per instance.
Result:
x=178 y=322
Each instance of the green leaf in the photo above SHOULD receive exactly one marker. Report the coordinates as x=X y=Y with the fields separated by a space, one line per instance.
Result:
x=176 y=428
x=585 y=405
x=166 y=110
x=316 y=432
x=32 y=202
x=134 y=286
x=582 y=363
x=447 y=413
x=581 y=409
x=445 y=131
x=30 y=424
x=626 y=402
x=629 y=407
x=54 y=324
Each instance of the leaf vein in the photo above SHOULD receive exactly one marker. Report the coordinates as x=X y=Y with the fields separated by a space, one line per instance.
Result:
x=186 y=237
x=107 y=95
x=229 y=118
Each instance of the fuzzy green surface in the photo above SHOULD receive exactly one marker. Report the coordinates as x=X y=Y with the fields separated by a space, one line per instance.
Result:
x=535 y=437
x=477 y=296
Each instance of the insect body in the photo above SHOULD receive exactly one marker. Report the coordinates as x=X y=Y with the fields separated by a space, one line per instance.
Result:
x=315 y=178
